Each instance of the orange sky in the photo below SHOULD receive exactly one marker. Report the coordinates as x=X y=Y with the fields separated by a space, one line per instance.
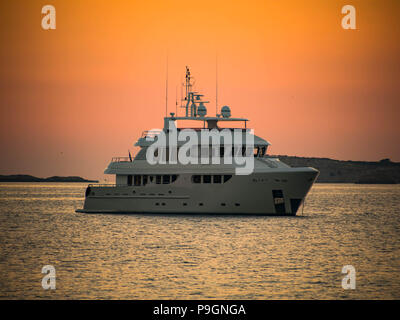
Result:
x=72 y=98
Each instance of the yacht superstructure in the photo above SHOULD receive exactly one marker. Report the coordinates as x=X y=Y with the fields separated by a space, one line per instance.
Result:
x=211 y=181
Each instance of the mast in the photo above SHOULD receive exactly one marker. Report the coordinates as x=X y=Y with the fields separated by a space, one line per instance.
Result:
x=166 y=90
x=216 y=84
x=187 y=85
x=194 y=104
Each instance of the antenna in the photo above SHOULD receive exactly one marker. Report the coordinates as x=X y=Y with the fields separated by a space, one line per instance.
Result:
x=187 y=82
x=216 y=84
x=166 y=90
x=181 y=92
x=176 y=100
x=188 y=89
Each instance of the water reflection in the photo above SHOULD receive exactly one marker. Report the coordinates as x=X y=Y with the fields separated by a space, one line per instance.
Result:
x=200 y=257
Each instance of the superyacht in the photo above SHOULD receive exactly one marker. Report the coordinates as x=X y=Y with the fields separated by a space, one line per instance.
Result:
x=208 y=180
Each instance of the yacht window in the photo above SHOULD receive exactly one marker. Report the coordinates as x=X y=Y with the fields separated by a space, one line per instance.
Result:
x=158 y=179
x=263 y=150
x=238 y=150
x=204 y=152
x=167 y=154
x=196 y=179
x=207 y=179
x=193 y=152
x=221 y=151
x=165 y=179
x=129 y=180
x=257 y=152
x=151 y=178
x=137 y=180
x=227 y=178
x=248 y=151
x=145 y=179
x=214 y=152
x=217 y=179
x=174 y=177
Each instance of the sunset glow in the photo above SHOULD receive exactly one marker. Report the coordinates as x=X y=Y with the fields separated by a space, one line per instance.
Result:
x=72 y=98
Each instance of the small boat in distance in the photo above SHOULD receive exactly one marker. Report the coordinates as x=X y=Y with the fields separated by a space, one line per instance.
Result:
x=198 y=186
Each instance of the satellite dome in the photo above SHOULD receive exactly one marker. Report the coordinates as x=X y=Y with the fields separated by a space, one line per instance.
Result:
x=201 y=110
x=226 y=112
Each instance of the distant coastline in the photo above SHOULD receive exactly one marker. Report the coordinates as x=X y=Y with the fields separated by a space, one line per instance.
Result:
x=28 y=178
x=331 y=171
x=339 y=171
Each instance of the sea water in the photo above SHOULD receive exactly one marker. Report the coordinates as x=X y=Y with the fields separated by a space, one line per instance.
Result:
x=122 y=256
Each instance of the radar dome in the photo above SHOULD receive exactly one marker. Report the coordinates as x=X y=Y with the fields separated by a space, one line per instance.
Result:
x=201 y=110
x=226 y=112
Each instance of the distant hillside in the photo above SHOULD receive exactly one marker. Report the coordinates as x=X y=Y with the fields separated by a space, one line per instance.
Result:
x=28 y=178
x=335 y=171
x=384 y=171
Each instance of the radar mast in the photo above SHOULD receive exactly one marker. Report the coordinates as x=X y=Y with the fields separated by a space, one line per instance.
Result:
x=194 y=105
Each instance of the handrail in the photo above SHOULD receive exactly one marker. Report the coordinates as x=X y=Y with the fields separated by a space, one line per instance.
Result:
x=111 y=185
x=150 y=133
x=122 y=159
x=271 y=162
x=219 y=129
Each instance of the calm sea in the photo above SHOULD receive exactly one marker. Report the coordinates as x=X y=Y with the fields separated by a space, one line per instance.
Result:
x=200 y=257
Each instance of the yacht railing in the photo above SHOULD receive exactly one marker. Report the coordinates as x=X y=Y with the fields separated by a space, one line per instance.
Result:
x=219 y=129
x=102 y=185
x=122 y=159
x=150 y=134
x=107 y=185
x=270 y=161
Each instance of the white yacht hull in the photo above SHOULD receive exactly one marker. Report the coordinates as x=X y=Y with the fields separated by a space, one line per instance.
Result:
x=265 y=193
